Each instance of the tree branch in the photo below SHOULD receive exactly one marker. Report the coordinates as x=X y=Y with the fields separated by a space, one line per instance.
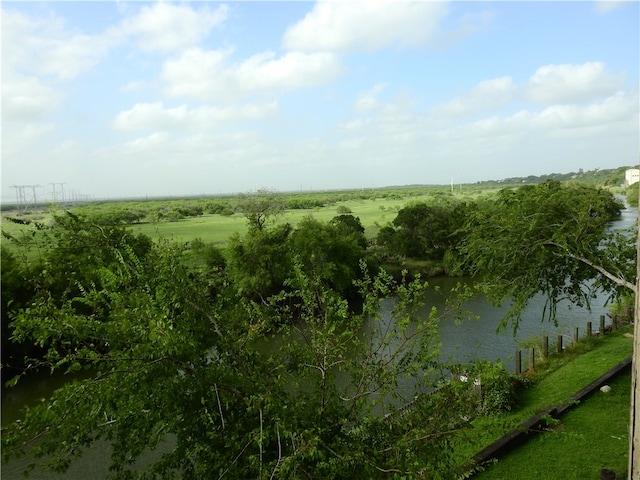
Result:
x=621 y=282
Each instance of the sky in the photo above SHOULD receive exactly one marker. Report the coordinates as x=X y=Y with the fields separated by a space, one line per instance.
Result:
x=143 y=99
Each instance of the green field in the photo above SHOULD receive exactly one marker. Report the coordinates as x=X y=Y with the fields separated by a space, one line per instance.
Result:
x=374 y=209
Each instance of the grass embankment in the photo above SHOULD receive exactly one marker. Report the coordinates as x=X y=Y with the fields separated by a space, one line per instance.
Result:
x=590 y=437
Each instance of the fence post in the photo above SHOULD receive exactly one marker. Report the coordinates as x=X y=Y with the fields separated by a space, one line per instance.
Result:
x=601 y=324
x=575 y=336
x=518 y=362
x=545 y=346
x=532 y=358
x=589 y=329
x=559 y=343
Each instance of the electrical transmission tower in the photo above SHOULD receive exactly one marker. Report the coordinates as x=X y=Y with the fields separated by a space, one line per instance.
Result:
x=24 y=197
x=57 y=193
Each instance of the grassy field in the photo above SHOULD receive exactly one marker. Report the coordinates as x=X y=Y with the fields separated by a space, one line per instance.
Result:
x=588 y=438
x=374 y=212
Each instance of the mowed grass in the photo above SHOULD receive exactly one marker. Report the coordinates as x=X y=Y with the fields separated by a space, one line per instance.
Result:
x=218 y=229
x=590 y=437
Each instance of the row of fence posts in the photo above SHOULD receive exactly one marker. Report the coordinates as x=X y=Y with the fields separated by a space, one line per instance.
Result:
x=559 y=344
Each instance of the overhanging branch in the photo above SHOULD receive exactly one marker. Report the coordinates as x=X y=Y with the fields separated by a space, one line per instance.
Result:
x=621 y=282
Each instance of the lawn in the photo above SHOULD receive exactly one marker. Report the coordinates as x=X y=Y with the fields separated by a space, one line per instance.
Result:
x=588 y=438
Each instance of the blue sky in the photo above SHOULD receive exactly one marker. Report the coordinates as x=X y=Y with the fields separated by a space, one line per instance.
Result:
x=134 y=99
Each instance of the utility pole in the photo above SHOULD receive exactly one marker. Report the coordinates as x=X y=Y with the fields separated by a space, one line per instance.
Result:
x=634 y=420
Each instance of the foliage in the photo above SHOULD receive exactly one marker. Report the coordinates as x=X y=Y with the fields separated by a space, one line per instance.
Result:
x=603 y=417
x=550 y=239
x=262 y=261
x=631 y=194
x=260 y=206
x=424 y=231
x=17 y=289
x=498 y=388
x=167 y=359
x=329 y=251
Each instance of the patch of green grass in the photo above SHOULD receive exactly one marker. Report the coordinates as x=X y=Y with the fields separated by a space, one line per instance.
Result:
x=565 y=375
x=214 y=229
x=589 y=438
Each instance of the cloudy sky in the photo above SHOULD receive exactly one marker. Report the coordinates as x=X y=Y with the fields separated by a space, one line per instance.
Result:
x=116 y=99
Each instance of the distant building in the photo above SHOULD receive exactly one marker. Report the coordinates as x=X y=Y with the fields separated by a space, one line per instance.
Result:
x=631 y=176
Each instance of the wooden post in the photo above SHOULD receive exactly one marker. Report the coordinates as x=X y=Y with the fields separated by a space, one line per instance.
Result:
x=575 y=335
x=589 y=329
x=545 y=346
x=518 y=362
x=601 y=325
x=532 y=358
x=559 y=343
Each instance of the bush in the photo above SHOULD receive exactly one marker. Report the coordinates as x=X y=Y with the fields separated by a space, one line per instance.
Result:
x=490 y=385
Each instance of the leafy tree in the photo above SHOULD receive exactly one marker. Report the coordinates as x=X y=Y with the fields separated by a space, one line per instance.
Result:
x=260 y=262
x=258 y=207
x=424 y=231
x=551 y=239
x=329 y=251
x=167 y=360
x=351 y=224
x=17 y=289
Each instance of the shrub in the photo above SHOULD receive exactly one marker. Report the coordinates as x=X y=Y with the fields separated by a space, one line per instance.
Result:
x=490 y=385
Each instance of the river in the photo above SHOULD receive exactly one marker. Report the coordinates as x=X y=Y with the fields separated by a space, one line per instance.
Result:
x=469 y=339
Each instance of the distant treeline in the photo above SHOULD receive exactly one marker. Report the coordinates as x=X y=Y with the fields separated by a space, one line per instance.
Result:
x=612 y=177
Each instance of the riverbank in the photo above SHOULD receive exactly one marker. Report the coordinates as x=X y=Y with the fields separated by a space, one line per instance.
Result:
x=591 y=437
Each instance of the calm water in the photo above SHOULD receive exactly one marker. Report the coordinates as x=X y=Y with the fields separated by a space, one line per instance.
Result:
x=463 y=341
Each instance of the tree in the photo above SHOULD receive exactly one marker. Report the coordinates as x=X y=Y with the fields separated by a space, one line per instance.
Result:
x=553 y=239
x=258 y=207
x=166 y=360
x=260 y=262
x=424 y=231
x=330 y=251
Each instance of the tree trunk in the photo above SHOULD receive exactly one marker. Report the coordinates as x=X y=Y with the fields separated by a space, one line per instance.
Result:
x=634 y=421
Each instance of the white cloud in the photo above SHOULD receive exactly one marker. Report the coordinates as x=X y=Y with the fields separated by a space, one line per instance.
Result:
x=155 y=116
x=609 y=114
x=606 y=6
x=166 y=27
x=365 y=25
x=207 y=75
x=368 y=101
x=44 y=46
x=27 y=99
x=572 y=83
x=16 y=139
x=487 y=95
